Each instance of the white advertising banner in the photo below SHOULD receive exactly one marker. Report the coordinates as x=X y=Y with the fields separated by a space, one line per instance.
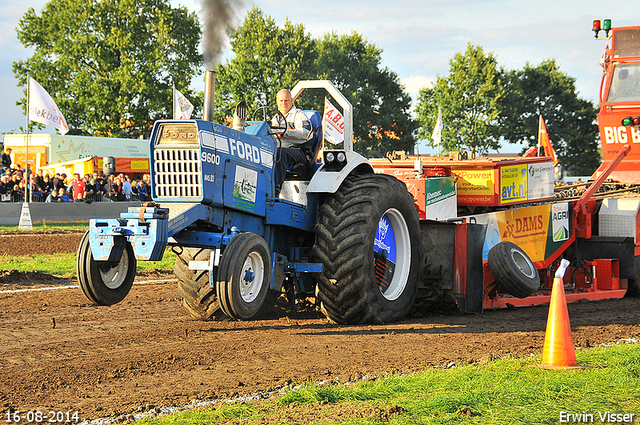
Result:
x=441 y=201
x=182 y=108
x=540 y=181
x=332 y=124
x=43 y=109
x=436 y=136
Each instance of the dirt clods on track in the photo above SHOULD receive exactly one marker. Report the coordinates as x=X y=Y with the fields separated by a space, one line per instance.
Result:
x=61 y=353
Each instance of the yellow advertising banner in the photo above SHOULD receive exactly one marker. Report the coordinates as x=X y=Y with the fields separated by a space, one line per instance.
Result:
x=37 y=156
x=475 y=184
x=139 y=164
x=527 y=228
x=81 y=166
x=513 y=183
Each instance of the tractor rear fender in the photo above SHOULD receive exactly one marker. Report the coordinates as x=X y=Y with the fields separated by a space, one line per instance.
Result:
x=324 y=181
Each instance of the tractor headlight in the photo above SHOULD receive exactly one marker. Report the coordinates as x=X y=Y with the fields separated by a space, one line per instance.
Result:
x=335 y=160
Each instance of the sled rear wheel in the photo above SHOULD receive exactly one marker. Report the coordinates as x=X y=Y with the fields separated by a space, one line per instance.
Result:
x=513 y=269
x=104 y=282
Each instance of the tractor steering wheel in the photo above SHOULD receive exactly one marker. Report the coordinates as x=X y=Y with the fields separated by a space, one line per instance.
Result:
x=281 y=122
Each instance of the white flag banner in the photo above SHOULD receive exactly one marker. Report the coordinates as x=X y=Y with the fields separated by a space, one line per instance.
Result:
x=437 y=130
x=182 y=108
x=43 y=109
x=332 y=124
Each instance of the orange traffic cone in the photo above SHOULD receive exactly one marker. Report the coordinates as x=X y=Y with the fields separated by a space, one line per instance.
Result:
x=558 y=351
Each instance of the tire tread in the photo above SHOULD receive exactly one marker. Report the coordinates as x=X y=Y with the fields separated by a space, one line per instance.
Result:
x=198 y=298
x=508 y=274
x=343 y=246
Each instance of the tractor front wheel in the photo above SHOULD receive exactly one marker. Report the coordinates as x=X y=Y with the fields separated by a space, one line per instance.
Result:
x=243 y=276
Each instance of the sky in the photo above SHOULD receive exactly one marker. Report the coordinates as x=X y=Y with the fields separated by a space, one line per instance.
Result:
x=418 y=37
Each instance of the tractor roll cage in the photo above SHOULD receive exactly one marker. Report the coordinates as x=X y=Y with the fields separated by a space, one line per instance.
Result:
x=347 y=109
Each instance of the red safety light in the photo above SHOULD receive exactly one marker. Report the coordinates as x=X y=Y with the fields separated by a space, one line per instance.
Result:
x=636 y=120
x=596 y=27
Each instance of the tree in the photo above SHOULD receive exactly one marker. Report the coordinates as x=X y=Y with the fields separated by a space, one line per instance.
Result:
x=382 y=120
x=268 y=58
x=470 y=98
x=544 y=90
x=110 y=64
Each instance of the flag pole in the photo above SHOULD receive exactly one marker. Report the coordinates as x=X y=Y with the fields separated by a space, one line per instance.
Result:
x=439 y=141
x=26 y=140
x=539 y=136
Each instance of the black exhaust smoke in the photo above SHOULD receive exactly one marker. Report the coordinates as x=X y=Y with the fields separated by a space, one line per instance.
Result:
x=219 y=17
x=209 y=94
x=218 y=20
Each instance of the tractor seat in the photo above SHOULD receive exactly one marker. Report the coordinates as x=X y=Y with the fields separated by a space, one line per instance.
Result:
x=302 y=171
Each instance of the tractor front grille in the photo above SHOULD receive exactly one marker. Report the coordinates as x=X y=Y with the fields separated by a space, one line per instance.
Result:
x=177 y=173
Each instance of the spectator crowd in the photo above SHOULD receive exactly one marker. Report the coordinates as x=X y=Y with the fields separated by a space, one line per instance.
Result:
x=14 y=182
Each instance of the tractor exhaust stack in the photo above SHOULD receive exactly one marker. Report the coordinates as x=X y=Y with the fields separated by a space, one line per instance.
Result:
x=209 y=94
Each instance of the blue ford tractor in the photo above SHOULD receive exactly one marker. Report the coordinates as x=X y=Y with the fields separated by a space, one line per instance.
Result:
x=336 y=231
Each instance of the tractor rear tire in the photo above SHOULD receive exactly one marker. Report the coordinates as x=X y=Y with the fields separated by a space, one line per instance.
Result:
x=633 y=289
x=244 y=277
x=198 y=298
x=513 y=269
x=367 y=238
x=105 y=283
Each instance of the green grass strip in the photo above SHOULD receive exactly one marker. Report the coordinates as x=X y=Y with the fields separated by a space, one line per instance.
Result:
x=64 y=265
x=504 y=391
x=44 y=226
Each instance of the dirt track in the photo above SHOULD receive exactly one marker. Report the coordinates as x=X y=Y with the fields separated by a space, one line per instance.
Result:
x=61 y=353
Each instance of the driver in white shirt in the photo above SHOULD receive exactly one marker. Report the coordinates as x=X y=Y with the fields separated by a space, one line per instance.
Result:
x=294 y=139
